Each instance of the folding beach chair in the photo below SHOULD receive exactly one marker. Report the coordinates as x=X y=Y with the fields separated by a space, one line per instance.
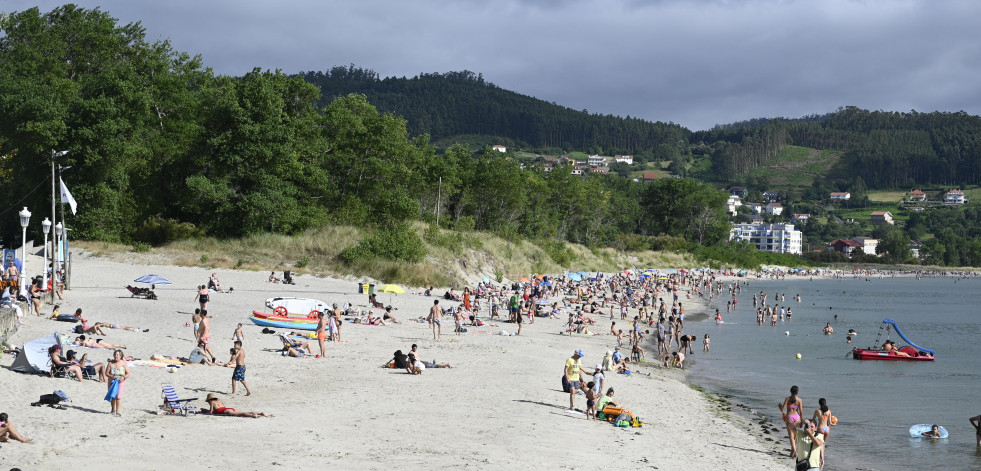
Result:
x=172 y=403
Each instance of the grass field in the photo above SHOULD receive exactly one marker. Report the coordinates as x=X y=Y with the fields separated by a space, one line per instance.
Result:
x=798 y=166
x=886 y=196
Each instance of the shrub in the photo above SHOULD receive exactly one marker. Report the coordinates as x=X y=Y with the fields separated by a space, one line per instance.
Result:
x=399 y=244
x=158 y=231
x=141 y=247
x=559 y=252
x=302 y=262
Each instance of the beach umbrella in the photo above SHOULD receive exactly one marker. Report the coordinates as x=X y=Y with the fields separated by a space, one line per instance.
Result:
x=547 y=284
x=485 y=279
x=540 y=276
x=672 y=270
x=575 y=276
x=390 y=289
x=396 y=289
x=626 y=272
x=153 y=280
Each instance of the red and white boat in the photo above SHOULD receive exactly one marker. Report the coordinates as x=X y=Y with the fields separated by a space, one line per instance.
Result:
x=912 y=352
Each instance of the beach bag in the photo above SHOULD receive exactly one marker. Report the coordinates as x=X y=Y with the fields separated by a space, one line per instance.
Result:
x=805 y=464
x=78 y=329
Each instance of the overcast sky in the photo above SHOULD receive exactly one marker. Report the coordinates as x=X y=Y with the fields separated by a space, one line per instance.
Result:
x=696 y=62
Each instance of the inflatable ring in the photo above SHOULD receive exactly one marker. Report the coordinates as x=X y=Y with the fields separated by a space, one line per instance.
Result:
x=280 y=311
x=834 y=420
x=313 y=314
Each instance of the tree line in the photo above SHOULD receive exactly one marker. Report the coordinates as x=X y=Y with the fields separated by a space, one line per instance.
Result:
x=160 y=148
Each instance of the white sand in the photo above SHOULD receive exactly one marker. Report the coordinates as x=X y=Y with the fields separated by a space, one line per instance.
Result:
x=500 y=407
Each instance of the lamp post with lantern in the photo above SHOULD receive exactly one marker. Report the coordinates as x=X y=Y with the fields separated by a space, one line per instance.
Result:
x=59 y=230
x=25 y=220
x=46 y=228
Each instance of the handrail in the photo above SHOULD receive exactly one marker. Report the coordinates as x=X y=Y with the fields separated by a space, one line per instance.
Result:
x=890 y=321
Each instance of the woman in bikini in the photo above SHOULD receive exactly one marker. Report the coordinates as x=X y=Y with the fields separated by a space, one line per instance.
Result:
x=790 y=408
x=96 y=343
x=218 y=408
x=822 y=417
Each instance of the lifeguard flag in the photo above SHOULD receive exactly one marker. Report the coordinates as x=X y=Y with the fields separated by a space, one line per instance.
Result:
x=66 y=197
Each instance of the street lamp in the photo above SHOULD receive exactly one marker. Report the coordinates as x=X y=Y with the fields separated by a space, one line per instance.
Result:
x=59 y=229
x=25 y=220
x=46 y=228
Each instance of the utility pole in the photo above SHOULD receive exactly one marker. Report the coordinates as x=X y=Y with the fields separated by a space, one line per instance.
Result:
x=54 y=219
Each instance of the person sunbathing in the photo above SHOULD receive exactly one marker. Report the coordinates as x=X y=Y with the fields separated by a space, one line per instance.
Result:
x=372 y=320
x=96 y=343
x=218 y=408
x=272 y=278
x=86 y=328
x=388 y=315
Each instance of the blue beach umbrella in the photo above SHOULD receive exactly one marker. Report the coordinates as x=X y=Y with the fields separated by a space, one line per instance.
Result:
x=153 y=280
x=574 y=276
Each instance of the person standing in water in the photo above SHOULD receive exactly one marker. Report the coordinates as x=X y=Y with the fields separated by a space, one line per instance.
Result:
x=976 y=422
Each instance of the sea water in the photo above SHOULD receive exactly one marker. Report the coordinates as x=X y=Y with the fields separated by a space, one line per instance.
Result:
x=875 y=401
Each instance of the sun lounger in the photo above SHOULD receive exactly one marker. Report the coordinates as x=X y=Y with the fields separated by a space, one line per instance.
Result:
x=172 y=403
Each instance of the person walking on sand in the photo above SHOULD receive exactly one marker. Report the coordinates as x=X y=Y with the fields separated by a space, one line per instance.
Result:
x=809 y=439
x=238 y=356
x=204 y=333
x=202 y=296
x=573 y=370
x=436 y=319
x=9 y=432
x=321 y=333
x=196 y=322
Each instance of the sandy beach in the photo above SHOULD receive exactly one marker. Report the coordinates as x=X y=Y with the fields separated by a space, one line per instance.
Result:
x=501 y=406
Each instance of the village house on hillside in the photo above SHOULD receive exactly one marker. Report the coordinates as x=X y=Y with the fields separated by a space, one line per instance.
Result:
x=841 y=195
x=739 y=191
x=624 y=159
x=955 y=197
x=869 y=245
x=501 y=149
x=733 y=203
x=882 y=217
x=917 y=195
x=648 y=177
x=845 y=246
x=596 y=161
x=775 y=209
x=755 y=207
x=800 y=217
x=598 y=170
x=771 y=196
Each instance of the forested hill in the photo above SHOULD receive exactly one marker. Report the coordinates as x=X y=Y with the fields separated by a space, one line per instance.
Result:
x=884 y=149
x=458 y=103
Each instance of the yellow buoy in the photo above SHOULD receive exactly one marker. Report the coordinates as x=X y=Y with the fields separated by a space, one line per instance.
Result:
x=798 y=356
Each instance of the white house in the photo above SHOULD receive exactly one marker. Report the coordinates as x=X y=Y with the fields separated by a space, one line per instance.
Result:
x=771 y=195
x=801 y=218
x=774 y=208
x=733 y=203
x=501 y=149
x=755 y=207
x=955 y=197
x=776 y=238
x=576 y=170
x=868 y=244
x=882 y=217
x=624 y=159
x=596 y=161
x=917 y=195
x=841 y=196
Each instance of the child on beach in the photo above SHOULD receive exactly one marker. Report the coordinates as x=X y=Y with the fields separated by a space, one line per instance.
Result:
x=705 y=343
x=238 y=356
x=590 y=401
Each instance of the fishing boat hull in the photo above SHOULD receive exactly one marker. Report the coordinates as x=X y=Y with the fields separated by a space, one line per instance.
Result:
x=869 y=354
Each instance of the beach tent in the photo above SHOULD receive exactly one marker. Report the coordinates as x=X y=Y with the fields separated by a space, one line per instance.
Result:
x=34 y=358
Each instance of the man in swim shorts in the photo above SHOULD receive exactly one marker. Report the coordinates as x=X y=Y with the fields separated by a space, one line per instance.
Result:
x=573 y=368
x=436 y=320
x=238 y=356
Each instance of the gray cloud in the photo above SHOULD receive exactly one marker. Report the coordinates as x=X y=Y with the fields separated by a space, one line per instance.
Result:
x=696 y=63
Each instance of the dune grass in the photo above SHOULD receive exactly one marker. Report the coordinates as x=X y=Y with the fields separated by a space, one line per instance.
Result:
x=470 y=256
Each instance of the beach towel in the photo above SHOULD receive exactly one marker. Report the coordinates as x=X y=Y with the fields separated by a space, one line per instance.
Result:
x=113 y=390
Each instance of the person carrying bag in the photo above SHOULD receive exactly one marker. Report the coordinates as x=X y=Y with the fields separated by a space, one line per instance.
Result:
x=811 y=441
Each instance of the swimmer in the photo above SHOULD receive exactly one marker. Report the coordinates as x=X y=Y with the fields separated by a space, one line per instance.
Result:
x=933 y=433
